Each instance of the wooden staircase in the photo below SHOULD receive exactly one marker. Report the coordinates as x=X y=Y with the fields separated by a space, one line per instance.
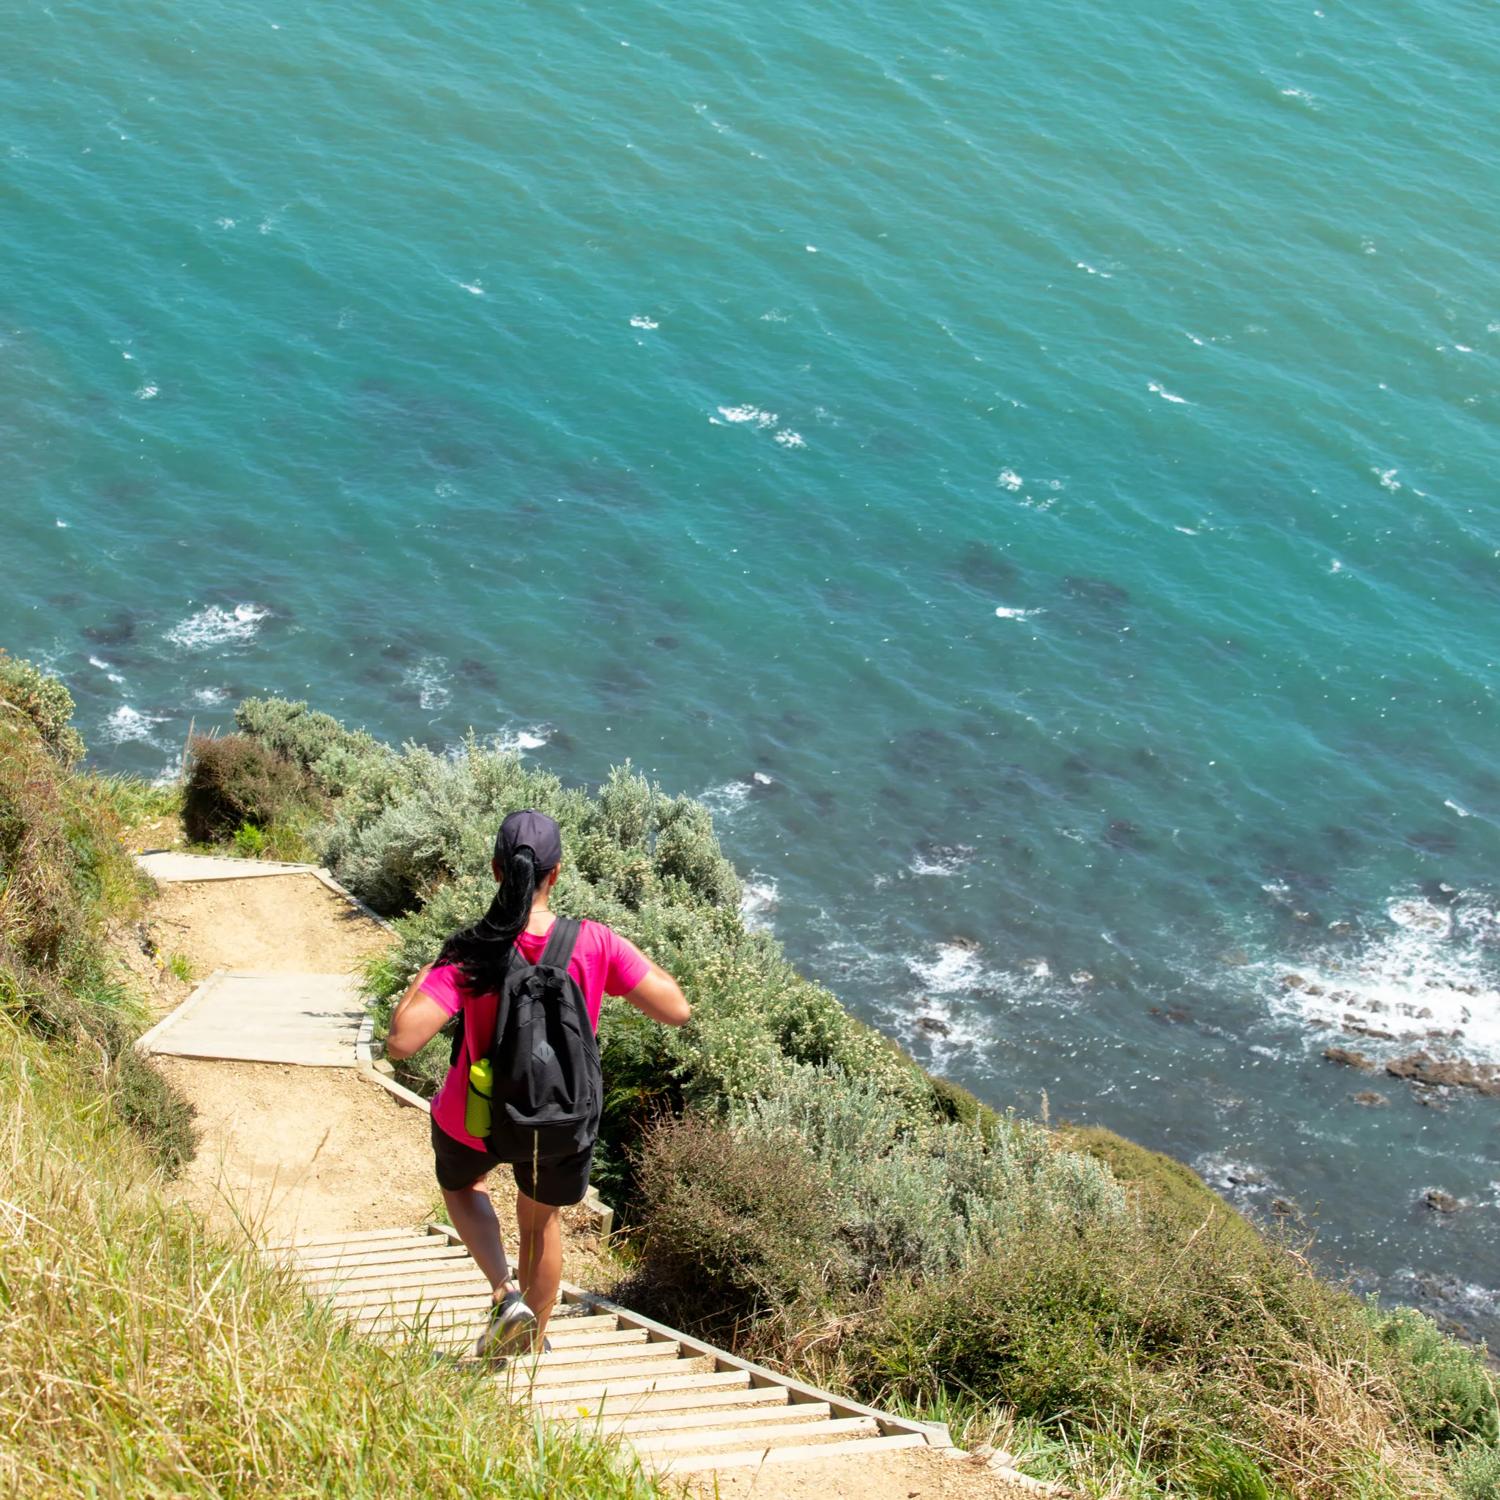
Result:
x=682 y=1405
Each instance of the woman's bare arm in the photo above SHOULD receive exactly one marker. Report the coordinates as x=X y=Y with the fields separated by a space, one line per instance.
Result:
x=415 y=1021
x=659 y=996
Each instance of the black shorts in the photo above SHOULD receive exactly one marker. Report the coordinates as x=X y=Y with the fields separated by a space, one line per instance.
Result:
x=556 y=1182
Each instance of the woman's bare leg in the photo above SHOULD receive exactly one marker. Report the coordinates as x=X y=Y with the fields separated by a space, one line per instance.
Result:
x=541 y=1257
x=478 y=1225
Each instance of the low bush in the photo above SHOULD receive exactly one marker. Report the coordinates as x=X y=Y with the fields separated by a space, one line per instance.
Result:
x=737 y=1230
x=235 y=780
x=28 y=693
x=1229 y=1365
x=1166 y=1187
x=1448 y=1394
x=1476 y=1473
x=64 y=879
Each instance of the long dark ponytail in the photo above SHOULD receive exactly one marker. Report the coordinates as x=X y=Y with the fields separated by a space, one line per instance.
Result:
x=483 y=950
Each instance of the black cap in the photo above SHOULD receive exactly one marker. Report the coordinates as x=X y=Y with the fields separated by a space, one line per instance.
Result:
x=530 y=830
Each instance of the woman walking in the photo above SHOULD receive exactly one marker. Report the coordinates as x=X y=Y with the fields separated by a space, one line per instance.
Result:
x=466 y=981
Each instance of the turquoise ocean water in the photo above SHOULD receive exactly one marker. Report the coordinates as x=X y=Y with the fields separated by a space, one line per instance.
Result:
x=1031 y=468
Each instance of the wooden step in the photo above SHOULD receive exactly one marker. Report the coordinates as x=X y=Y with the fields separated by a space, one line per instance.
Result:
x=435 y=1263
x=574 y=1329
x=803 y=1412
x=385 y=1240
x=652 y=1392
x=561 y=1359
x=698 y=1463
x=396 y=1253
x=429 y=1294
x=595 y=1364
x=759 y=1438
x=525 y=1379
x=349 y=1237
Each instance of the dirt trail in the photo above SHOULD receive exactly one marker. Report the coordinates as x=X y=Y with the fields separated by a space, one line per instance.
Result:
x=908 y=1474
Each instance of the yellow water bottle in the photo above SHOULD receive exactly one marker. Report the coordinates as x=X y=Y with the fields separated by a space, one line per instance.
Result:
x=477 y=1105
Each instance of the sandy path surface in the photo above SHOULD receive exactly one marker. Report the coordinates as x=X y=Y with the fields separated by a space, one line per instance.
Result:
x=903 y=1475
x=279 y=924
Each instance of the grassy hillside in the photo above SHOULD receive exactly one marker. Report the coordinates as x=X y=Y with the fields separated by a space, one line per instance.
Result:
x=140 y=1354
x=797 y=1186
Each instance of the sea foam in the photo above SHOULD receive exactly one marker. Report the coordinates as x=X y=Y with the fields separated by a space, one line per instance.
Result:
x=1423 y=977
x=217 y=627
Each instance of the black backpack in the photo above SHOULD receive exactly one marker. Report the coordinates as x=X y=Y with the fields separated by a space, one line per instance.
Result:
x=549 y=1088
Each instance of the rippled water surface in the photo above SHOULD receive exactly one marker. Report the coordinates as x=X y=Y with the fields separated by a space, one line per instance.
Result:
x=1032 y=469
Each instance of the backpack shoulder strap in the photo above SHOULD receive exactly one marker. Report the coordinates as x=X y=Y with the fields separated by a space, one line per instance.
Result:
x=560 y=943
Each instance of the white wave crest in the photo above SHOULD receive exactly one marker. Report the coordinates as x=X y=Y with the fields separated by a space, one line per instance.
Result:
x=1157 y=389
x=750 y=414
x=519 y=741
x=641 y=321
x=217 y=627
x=758 y=902
x=941 y=859
x=1424 y=979
x=1004 y=612
x=726 y=800
x=127 y=724
x=430 y=678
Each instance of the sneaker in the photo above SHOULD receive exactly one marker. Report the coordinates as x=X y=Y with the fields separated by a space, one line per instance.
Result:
x=509 y=1329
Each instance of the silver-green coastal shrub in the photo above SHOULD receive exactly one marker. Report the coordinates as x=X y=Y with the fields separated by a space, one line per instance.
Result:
x=920 y=1196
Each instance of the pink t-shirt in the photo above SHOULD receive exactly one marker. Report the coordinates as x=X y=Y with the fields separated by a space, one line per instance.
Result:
x=603 y=963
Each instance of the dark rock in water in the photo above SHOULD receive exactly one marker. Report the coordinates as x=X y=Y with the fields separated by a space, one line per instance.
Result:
x=119 y=630
x=933 y=1025
x=1374 y=1032
x=1439 y=892
x=964 y=944
x=1348 y=1059
x=1123 y=834
x=1370 y=1099
x=985 y=569
x=474 y=673
x=927 y=751
x=1440 y=1202
x=1285 y=1208
x=1293 y=982
x=665 y=642
x=1452 y=1072
x=1173 y=1015
x=1341 y=929
x=1433 y=840
x=1096 y=590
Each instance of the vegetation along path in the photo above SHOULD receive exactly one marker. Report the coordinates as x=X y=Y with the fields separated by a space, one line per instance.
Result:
x=269 y=1046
